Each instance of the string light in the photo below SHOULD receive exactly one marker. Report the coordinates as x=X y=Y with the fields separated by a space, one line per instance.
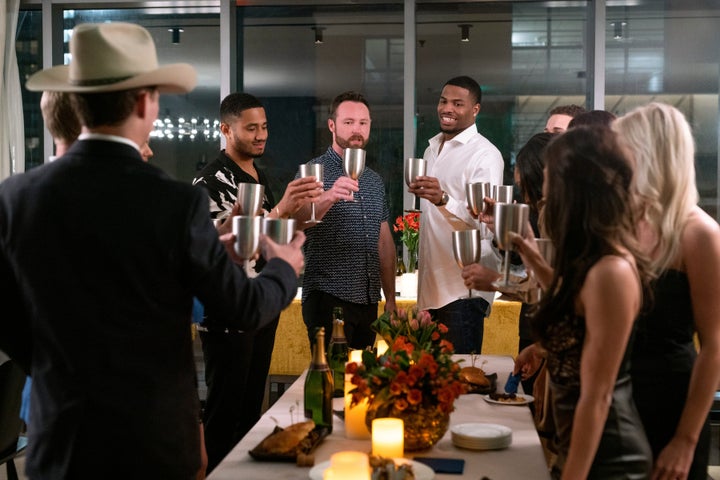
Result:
x=196 y=129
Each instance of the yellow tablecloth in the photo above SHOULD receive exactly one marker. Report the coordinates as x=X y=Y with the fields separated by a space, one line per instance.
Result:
x=291 y=353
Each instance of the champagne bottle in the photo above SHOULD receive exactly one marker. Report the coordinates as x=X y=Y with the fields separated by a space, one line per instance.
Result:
x=400 y=264
x=319 y=385
x=338 y=352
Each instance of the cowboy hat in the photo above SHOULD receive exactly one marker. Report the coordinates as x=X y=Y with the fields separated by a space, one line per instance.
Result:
x=109 y=57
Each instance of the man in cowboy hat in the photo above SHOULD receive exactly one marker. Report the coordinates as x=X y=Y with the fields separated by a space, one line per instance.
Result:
x=100 y=256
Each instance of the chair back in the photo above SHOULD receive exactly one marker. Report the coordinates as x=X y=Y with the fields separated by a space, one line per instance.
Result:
x=12 y=380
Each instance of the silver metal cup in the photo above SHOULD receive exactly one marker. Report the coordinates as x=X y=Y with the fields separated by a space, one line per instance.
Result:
x=502 y=193
x=354 y=162
x=509 y=217
x=547 y=250
x=414 y=167
x=246 y=229
x=312 y=170
x=475 y=193
x=280 y=230
x=466 y=246
x=250 y=197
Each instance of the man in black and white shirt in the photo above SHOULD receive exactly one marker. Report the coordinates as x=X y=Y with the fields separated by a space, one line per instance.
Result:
x=237 y=363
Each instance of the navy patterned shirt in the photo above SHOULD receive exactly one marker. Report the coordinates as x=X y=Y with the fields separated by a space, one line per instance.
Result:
x=341 y=253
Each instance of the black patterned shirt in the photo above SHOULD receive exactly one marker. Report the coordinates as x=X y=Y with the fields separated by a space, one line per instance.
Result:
x=221 y=178
x=341 y=253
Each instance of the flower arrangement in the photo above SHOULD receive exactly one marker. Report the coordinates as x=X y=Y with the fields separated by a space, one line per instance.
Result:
x=416 y=372
x=409 y=228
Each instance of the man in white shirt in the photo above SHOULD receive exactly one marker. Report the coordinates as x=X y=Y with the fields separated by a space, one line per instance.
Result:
x=456 y=156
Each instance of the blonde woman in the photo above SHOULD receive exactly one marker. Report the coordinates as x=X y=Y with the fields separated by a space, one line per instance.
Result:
x=673 y=386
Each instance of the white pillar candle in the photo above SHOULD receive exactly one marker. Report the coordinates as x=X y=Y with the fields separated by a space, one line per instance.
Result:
x=356 y=356
x=348 y=466
x=382 y=347
x=387 y=437
x=355 y=426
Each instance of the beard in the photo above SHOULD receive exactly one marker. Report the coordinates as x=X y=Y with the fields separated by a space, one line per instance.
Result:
x=347 y=142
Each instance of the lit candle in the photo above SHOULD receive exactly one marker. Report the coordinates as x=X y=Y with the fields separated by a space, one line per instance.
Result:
x=382 y=347
x=355 y=426
x=387 y=437
x=356 y=356
x=348 y=466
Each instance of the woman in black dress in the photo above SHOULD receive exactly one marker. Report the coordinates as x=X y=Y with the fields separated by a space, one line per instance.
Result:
x=586 y=319
x=673 y=385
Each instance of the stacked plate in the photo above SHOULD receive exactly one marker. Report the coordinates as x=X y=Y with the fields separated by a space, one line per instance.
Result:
x=481 y=436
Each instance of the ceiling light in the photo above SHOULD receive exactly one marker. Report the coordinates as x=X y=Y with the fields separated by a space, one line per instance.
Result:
x=318 y=35
x=465 y=32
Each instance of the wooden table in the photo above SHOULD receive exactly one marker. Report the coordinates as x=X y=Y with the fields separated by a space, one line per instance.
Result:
x=291 y=353
x=524 y=458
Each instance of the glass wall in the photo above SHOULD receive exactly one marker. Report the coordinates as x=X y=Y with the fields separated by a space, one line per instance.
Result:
x=297 y=59
x=528 y=56
x=29 y=48
x=667 y=52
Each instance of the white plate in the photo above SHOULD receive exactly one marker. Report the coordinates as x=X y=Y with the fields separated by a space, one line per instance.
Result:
x=481 y=436
x=480 y=431
x=526 y=399
x=421 y=471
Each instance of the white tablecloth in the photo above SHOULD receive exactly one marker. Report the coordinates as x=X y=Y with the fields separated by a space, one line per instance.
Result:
x=524 y=459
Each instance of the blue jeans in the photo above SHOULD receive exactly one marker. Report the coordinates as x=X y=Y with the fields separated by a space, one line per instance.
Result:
x=465 y=319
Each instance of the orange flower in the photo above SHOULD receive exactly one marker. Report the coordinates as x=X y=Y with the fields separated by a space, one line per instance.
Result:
x=416 y=372
x=414 y=396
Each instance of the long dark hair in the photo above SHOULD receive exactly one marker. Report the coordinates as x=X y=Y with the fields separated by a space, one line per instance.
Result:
x=530 y=163
x=589 y=213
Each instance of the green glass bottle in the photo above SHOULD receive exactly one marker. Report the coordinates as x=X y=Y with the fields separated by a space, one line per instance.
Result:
x=400 y=270
x=319 y=385
x=338 y=352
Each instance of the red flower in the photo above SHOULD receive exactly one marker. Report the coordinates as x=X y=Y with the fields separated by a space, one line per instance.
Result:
x=351 y=368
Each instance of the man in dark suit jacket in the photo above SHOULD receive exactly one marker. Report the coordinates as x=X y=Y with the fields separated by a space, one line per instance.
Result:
x=100 y=256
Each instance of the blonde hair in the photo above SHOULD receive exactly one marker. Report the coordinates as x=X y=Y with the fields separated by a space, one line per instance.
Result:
x=59 y=115
x=661 y=142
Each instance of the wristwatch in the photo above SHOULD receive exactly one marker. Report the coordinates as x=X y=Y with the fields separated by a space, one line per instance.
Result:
x=444 y=200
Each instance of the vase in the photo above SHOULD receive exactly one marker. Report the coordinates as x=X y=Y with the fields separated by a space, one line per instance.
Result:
x=423 y=427
x=412 y=261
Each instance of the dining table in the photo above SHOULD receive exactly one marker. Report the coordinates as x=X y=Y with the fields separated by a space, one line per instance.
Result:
x=291 y=353
x=522 y=459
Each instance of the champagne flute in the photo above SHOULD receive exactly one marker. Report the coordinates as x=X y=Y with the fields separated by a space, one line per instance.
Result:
x=509 y=218
x=475 y=193
x=466 y=248
x=312 y=170
x=250 y=197
x=414 y=167
x=246 y=229
x=280 y=230
x=354 y=164
x=502 y=193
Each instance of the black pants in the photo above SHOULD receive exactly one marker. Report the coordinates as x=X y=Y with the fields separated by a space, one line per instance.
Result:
x=236 y=369
x=465 y=319
x=317 y=312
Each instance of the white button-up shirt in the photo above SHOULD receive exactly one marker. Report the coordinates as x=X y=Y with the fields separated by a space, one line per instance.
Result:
x=468 y=157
